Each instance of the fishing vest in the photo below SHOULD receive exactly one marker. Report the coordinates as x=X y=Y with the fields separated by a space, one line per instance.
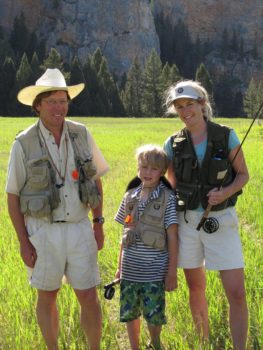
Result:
x=194 y=181
x=150 y=225
x=40 y=194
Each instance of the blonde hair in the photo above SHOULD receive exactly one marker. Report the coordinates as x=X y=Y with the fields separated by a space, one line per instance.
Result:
x=153 y=155
x=201 y=91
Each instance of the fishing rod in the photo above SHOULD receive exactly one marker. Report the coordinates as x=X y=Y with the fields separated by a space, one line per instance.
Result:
x=214 y=224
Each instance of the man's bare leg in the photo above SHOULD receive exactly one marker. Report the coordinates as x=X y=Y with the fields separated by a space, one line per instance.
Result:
x=91 y=318
x=47 y=316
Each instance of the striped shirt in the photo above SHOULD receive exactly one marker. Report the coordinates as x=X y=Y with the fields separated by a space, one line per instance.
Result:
x=140 y=262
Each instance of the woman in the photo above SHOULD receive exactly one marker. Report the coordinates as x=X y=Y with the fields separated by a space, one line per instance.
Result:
x=205 y=168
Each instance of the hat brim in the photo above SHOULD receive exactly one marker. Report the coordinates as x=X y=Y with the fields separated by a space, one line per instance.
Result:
x=28 y=94
x=187 y=96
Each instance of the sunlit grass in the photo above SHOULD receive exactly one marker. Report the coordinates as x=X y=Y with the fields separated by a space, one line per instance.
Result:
x=118 y=138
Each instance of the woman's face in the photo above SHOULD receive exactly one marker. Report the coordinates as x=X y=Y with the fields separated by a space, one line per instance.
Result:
x=190 y=111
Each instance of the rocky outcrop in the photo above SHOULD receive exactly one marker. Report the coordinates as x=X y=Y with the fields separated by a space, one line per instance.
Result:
x=122 y=29
x=209 y=18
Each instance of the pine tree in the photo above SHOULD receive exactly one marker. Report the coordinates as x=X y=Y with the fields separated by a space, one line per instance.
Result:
x=132 y=93
x=7 y=82
x=6 y=51
x=96 y=59
x=252 y=98
x=35 y=67
x=204 y=78
x=24 y=73
x=153 y=86
x=113 y=104
x=19 y=36
x=81 y=104
x=23 y=78
x=92 y=86
x=54 y=60
x=170 y=75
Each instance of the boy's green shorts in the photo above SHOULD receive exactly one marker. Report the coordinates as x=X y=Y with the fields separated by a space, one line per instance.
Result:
x=142 y=298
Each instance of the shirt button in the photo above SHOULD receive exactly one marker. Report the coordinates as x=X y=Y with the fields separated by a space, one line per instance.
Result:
x=68 y=214
x=66 y=195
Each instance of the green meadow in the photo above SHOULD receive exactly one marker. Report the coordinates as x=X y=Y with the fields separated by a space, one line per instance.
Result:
x=118 y=138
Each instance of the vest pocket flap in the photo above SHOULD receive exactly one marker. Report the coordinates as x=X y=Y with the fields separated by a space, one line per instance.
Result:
x=38 y=177
x=89 y=168
x=37 y=206
x=156 y=212
x=217 y=170
x=154 y=239
x=129 y=237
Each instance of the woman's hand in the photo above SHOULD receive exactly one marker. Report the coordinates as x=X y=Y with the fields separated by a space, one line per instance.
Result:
x=217 y=196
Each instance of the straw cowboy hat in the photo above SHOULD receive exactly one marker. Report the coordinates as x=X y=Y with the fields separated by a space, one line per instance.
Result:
x=51 y=80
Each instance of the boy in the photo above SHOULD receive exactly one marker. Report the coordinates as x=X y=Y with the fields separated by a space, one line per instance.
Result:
x=148 y=253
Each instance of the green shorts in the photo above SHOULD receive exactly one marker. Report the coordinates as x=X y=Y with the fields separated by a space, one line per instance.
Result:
x=146 y=298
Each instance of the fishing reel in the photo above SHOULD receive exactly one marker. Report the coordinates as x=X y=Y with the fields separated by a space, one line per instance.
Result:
x=210 y=225
x=110 y=290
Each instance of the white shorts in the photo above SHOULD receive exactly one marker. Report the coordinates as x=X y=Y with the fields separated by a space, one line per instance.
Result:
x=68 y=249
x=220 y=250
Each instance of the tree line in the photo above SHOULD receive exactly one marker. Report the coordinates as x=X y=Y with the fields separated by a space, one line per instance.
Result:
x=139 y=93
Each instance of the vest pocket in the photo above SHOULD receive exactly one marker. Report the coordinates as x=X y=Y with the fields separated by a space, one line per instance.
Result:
x=89 y=193
x=153 y=239
x=38 y=177
x=217 y=171
x=37 y=206
x=187 y=198
x=129 y=237
x=89 y=168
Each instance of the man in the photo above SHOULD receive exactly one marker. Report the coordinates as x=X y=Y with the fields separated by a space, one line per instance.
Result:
x=53 y=180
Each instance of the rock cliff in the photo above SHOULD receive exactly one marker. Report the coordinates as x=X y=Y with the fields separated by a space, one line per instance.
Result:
x=124 y=29
x=209 y=18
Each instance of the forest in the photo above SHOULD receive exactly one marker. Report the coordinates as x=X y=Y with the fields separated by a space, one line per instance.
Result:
x=139 y=92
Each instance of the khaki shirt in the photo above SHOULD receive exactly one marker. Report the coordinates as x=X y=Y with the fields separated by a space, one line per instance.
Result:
x=70 y=209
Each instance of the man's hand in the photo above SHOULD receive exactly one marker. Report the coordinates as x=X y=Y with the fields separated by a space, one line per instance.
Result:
x=28 y=253
x=99 y=235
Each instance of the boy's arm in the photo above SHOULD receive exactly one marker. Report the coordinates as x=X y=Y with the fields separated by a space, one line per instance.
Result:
x=172 y=246
x=118 y=272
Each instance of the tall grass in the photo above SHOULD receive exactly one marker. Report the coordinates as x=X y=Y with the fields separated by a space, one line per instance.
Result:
x=118 y=139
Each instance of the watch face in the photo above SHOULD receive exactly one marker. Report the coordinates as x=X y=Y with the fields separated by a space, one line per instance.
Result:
x=100 y=220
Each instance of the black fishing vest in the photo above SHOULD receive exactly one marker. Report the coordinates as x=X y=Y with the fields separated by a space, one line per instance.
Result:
x=194 y=181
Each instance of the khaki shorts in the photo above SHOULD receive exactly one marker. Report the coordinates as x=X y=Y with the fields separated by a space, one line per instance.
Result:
x=220 y=250
x=68 y=249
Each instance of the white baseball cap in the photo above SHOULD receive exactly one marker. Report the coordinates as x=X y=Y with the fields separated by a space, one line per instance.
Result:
x=184 y=90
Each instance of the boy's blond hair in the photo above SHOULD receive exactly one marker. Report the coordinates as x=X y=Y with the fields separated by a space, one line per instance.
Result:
x=153 y=155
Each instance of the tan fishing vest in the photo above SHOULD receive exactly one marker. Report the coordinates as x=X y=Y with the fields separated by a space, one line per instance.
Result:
x=40 y=194
x=150 y=226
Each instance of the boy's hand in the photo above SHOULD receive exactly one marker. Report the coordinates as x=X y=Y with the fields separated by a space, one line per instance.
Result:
x=118 y=274
x=170 y=282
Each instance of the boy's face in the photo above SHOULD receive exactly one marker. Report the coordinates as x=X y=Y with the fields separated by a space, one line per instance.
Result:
x=149 y=174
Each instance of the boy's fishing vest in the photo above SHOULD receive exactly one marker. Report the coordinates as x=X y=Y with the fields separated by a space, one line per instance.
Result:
x=40 y=194
x=194 y=181
x=150 y=225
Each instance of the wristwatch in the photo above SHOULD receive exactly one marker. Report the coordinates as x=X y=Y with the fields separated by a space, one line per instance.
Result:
x=99 y=219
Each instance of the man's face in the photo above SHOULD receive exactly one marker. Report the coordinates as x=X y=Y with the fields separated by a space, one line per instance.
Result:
x=53 y=110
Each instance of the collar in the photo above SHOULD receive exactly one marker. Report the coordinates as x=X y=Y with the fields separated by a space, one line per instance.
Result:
x=155 y=194
x=48 y=134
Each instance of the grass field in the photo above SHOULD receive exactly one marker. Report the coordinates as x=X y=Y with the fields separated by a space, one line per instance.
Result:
x=118 y=139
